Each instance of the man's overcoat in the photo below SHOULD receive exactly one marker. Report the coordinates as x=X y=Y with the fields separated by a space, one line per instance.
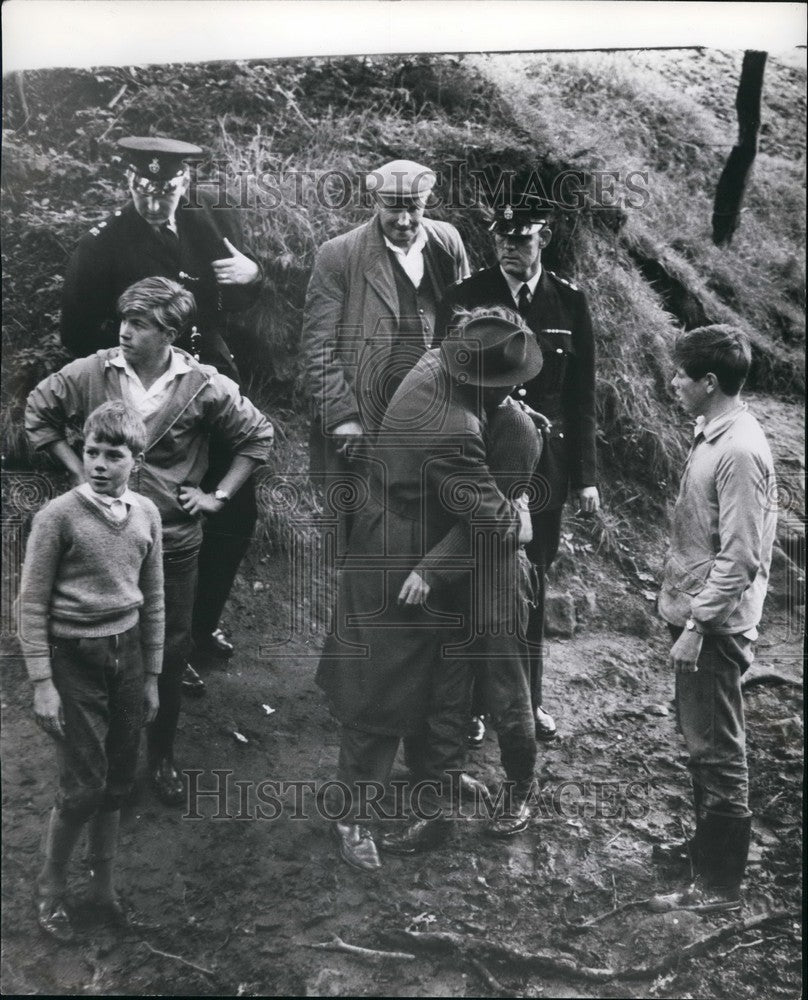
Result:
x=433 y=507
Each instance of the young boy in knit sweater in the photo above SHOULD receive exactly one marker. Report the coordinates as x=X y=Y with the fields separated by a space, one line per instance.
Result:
x=93 y=623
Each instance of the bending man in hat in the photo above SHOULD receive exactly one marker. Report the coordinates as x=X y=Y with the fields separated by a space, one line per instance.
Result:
x=199 y=244
x=564 y=391
x=396 y=660
x=370 y=313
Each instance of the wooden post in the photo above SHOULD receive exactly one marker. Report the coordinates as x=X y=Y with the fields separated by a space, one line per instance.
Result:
x=735 y=175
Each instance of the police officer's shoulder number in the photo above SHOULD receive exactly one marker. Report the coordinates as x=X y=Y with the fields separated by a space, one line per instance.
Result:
x=564 y=281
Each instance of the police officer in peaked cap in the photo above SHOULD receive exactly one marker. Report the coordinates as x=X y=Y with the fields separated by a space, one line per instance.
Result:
x=563 y=392
x=169 y=231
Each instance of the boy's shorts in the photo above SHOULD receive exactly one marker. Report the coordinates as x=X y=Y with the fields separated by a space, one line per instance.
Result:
x=100 y=682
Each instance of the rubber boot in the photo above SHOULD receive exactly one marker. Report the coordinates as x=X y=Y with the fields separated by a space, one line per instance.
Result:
x=723 y=850
x=682 y=854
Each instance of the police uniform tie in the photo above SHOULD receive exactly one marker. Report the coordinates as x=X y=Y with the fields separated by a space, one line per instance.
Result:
x=524 y=300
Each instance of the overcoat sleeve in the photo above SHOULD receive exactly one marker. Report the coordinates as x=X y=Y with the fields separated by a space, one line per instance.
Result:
x=324 y=310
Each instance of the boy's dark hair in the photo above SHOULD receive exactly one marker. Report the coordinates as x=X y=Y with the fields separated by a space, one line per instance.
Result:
x=116 y=423
x=719 y=349
x=171 y=306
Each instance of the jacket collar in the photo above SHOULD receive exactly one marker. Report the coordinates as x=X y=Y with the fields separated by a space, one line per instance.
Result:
x=715 y=428
x=379 y=270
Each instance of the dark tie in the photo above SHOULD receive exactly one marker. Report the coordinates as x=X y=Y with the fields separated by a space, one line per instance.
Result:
x=524 y=300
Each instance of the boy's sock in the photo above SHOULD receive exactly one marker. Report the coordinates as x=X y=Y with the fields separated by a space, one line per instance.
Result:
x=63 y=832
x=104 y=828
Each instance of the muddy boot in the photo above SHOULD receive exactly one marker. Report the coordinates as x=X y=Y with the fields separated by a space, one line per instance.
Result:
x=51 y=910
x=107 y=908
x=723 y=850
x=682 y=854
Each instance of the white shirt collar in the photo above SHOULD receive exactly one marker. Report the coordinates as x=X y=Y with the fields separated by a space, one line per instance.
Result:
x=127 y=497
x=177 y=366
x=515 y=284
x=417 y=245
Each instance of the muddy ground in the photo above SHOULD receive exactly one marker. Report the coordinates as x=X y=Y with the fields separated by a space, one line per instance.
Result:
x=239 y=902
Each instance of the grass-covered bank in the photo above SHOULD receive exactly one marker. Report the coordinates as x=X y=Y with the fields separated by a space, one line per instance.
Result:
x=277 y=131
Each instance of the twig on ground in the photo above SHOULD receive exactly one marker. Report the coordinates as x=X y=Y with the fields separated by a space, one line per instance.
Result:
x=614 y=892
x=118 y=96
x=613 y=839
x=750 y=944
x=179 y=958
x=337 y=944
x=604 y=916
x=550 y=962
x=490 y=981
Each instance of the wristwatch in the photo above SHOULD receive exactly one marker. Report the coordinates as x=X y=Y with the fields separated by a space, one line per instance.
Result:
x=691 y=626
x=221 y=496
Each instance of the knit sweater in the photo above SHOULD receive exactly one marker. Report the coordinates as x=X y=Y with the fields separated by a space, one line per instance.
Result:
x=85 y=576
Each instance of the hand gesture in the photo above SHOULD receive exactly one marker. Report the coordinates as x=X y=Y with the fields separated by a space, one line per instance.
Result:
x=348 y=435
x=237 y=269
x=588 y=500
x=415 y=590
x=48 y=709
x=196 y=502
x=685 y=652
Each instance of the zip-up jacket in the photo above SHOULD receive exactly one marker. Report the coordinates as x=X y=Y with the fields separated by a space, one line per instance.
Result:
x=202 y=404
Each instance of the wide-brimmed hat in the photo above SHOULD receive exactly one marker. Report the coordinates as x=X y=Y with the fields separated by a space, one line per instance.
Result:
x=492 y=352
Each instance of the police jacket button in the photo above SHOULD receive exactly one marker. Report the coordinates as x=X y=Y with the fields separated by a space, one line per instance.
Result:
x=561 y=434
x=559 y=350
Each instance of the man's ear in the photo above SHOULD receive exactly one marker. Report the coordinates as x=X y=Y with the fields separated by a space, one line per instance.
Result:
x=170 y=333
x=711 y=382
x=545 y=236
x=140 y=458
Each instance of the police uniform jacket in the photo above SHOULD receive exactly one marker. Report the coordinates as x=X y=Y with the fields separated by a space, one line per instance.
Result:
x=564 y=390
x=125 y=248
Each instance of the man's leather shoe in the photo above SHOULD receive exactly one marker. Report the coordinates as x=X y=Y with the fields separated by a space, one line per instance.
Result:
x=512 y=821
x=476 y=732
x=192 y=683
x=167 y=782
x=53 y=918
x=356 y=846
x=545 y=725
x=472 y=789
x=215 y=643
x=418 y=835
x=697 y=897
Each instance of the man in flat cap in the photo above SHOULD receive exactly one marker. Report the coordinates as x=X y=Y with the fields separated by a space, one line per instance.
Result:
x=396 y=664
x=370 y=312
x=163 y=232
x=564 y=391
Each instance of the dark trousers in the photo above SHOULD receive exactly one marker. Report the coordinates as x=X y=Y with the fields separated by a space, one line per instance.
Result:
x=226 y=539
x=431 y=755
x=541 y=551
x=709 y=711
x=100 y=683
x=180 y=575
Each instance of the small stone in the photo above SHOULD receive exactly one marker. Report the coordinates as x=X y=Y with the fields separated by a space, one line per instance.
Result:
x=258 y=587
x=559 y=614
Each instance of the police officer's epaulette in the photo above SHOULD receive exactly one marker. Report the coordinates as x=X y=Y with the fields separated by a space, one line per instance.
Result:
x=564 y=281
x=101 y=226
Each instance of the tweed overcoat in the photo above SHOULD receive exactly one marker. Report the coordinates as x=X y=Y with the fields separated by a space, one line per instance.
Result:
x=352 y=313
